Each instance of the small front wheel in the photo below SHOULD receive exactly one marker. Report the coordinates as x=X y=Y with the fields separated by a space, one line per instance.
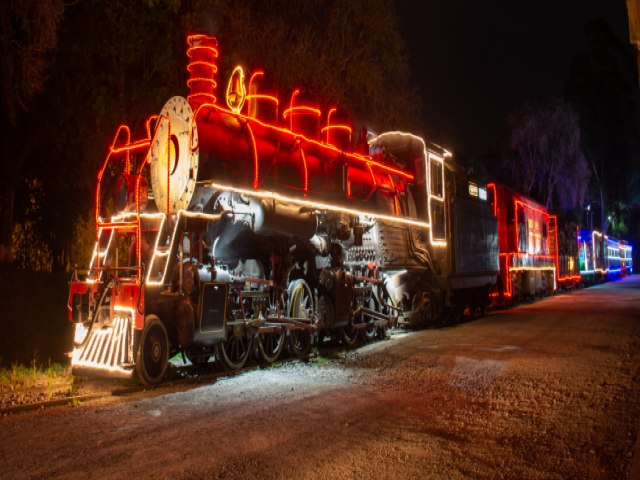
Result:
x=153 y=352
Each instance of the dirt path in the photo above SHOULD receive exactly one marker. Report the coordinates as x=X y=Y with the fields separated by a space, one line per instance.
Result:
x=547 y=390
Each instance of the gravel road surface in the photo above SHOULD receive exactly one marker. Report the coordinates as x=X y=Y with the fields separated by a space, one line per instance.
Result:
x=547 y=390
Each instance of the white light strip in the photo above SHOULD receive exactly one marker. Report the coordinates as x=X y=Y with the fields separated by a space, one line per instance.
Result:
x=155 y=251
x=427 y=155
x=317 y=205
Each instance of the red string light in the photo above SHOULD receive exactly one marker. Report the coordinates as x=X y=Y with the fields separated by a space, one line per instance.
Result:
x=306 y=172
x=328 y=128
x=256 y=166
x=201 y=109
x=202 y=68
x=252 y=96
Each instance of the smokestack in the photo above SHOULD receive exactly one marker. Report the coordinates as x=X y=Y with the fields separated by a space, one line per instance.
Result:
x=202 y=68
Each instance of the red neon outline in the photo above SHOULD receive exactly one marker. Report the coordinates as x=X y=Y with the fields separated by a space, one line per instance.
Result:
x=349 y=155
x=306 y=172
x=202 y=59
x=298 y=110
x=329 y=127
x=494 y=204
x=256 y=166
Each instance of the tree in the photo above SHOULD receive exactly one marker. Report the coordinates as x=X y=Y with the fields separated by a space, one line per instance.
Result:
x=545 y=157
x=117 y=64
x=28 y=39
x=603 y=87
x=348 y=52
x=120 y=61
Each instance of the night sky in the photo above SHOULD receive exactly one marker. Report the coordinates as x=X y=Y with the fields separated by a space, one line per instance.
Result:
x=476 y=61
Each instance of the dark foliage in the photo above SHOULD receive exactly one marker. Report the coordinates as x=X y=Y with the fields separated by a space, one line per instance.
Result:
x=120 y=61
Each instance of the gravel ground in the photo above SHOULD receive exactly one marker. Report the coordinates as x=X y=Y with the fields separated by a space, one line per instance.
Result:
x=549 y=390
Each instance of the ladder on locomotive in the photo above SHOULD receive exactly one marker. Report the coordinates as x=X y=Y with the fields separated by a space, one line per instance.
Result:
x=162 y=251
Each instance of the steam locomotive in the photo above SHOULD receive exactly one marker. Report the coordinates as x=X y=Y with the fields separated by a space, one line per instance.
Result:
x=248 y=228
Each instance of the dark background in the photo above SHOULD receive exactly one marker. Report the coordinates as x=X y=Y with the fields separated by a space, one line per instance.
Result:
x=475 y=62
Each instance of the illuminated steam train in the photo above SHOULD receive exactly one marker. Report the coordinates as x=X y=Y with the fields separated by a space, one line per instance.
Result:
x=240 y=227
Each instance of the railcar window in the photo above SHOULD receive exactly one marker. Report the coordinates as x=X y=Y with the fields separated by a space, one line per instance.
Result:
x=522 y=231
x=437 y=186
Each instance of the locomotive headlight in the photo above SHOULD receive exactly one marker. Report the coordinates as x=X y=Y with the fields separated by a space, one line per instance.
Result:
x=482 y=193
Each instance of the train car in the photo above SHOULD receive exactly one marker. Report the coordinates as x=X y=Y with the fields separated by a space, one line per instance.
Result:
x=239 y=228
x=626 y=258
x=592 y=256
x=568 y=257
x=603 y=257
x=612 y=258
x=528 y=246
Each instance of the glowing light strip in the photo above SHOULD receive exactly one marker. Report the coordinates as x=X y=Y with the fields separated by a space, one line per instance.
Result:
x=495 y=198
x=340 y=127
x=156 y=253
x=438 y=159
x=533 y=269
x=330 y=127
x=206 y=53
x=425 y=152
x=593 y=249
x=298 y=110
x=305 y=182
x=256 y=165
x=239 y=72
x=138 y=145
x=302 y=109
x=258 y=96
x=124 y=216
x=98 y=272
x=350 y=155
x=316 y=205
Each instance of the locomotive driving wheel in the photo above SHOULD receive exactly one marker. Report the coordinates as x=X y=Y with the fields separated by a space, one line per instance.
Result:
x=349 y=335
x=234 y=351
x=300 y=306
x=153 y=352
x=270 y=345
x=370 y=332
